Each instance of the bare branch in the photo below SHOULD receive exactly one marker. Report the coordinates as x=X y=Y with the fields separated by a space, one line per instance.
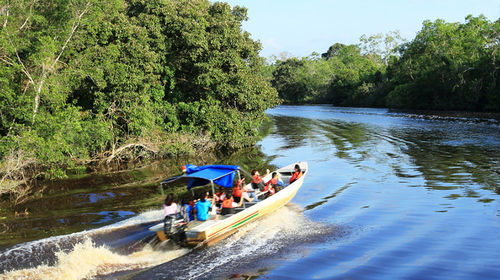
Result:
x=73 y=29
x=24 y=69
x=4 y=59
x=29 y=15
x=132 y=145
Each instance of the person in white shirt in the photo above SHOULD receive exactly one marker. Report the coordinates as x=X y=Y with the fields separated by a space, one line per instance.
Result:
x=249 y=193
x=169 y=206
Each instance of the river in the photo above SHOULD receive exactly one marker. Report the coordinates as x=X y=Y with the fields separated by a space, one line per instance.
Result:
x=389 y=195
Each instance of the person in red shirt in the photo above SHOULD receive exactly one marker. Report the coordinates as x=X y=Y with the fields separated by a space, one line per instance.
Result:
x=219 y=196
x=228 y=205
x=297 y=174
x=257 y=182
x=238 y=191
x=274 y=185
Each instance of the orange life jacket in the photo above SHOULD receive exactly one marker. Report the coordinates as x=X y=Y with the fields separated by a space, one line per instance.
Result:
x=270 y=184
x=218 y=196
x=295 y=176
x=227 y=203
x=272 y=191
x=237 y=192
x=256 y=179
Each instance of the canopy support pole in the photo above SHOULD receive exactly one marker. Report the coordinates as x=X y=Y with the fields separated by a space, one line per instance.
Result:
x=161 y=190
x=213 y=197
x=239 y=178
x=213 y=188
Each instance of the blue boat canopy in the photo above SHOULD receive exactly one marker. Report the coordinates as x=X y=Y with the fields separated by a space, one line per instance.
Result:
x=222 y=175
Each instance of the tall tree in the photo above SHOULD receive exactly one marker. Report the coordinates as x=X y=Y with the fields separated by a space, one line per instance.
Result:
x=448 y=66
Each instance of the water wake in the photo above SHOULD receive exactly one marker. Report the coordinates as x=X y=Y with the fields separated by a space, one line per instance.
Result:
x=286 y=228
x=87 y=260
x=53 y=258
x=79 y=256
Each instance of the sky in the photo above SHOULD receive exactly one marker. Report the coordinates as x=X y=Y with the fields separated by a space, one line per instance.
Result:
x=301 y=27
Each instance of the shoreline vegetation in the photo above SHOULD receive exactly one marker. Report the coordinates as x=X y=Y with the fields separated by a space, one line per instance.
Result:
x=447 y=66
x=86 y=85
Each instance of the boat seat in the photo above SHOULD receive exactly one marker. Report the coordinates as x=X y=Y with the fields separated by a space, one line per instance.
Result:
x=248 y=204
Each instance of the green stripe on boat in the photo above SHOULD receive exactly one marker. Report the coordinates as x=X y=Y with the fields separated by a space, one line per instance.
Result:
x=244 y=220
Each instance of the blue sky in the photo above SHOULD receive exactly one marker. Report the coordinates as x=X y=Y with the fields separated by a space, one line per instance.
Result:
x=301 y=27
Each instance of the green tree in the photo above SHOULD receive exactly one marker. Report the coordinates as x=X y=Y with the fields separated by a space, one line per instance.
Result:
x=381 y=46
x=285 y=80
x=448 y=66
x=84 y=79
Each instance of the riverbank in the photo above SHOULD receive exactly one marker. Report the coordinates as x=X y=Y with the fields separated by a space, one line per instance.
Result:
x=22 y=177
x=89 y=200
x=403 y=195
x=90 y=84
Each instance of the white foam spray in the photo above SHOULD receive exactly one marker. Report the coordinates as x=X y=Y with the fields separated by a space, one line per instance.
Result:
x=87 y=260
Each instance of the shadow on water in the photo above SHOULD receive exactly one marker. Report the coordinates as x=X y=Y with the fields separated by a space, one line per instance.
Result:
x=346 y=138
x=96 y=200
x=326 y=198
x=451 y=167
x=291 y=130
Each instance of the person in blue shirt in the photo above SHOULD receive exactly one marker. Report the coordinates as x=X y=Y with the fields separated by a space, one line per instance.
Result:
x=187 y=210
x=201 y=208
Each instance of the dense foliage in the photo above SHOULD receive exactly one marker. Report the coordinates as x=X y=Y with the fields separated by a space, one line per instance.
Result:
x=447 y=66
x=81 y=78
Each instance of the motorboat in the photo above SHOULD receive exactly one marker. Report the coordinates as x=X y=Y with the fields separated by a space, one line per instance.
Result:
x=217 y=226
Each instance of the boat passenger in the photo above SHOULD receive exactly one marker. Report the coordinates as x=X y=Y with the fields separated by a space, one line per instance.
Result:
x=297 y=174
x=169 y=206
x=229 y=204
x=257 y=182
x=238 y=191
x=219 y=197
x=187 y=210
x=202 y=208
x=274 y=185
x=249 y=193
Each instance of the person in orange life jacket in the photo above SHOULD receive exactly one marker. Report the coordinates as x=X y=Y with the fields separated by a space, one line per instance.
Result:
x=297 y=174
x=257 y=180
x=242 y=191
x=228 y=205
x=274 y=185
x=219 y=197
x=238 y=191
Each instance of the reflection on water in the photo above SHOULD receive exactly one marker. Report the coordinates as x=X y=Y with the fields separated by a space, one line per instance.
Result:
x=388 y=195
x=444 y=154
x=422 y=189
x=96 y=200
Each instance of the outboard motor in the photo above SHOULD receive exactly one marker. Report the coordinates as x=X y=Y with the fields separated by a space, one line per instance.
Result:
x=174 y=228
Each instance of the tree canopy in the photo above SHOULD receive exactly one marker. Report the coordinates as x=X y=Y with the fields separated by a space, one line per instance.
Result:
x=80 y=78
x=447 y=66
